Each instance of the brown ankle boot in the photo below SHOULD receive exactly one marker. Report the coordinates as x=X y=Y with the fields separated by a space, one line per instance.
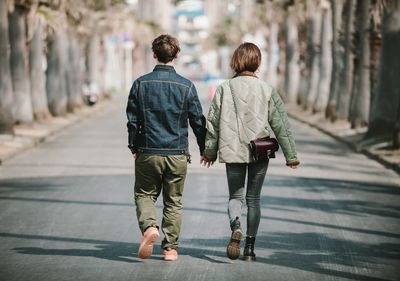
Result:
x=233 y=249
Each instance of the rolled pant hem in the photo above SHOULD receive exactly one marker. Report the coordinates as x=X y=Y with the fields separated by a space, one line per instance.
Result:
x=169 y=245
x=147 y=225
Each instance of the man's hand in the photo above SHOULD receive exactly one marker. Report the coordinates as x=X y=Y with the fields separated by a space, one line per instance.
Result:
x=206 y=162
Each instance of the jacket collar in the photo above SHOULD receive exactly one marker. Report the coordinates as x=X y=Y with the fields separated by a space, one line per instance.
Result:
x=164 y=67
x=245 y=73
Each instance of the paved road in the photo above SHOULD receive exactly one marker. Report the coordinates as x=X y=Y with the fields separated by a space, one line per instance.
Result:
x=66 y=213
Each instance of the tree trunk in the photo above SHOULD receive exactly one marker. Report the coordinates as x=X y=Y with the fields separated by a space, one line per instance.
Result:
x=292 y=69
x=385 y=117
x=6 y=93
x=56 y=77
x=74 y=81
x=315 y=58
x=273 y=54
x=282 y=59
x=361 y=96
x=337 y=58
x=101 y=57
x=308 y=59
x=325 y=60
x=346 y=75
x=37 y=74
x=375 y=50
x=92 y=64
x=396 y=131
x=72 y=74
x=19 y=71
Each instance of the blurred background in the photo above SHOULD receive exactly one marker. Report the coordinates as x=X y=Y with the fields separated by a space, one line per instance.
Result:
x=338 y=60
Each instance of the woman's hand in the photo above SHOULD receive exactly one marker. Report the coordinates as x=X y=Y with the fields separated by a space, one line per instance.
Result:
x=206 y=162
x=293 y=165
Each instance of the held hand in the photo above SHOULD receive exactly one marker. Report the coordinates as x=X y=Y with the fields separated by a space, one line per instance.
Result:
x=206 y=162
x=135 y=155
x=293 y=165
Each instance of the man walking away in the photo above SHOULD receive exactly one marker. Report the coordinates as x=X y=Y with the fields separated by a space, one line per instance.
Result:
x=159 y=106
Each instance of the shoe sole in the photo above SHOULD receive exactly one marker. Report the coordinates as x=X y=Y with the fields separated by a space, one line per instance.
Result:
x=169 y=258
x=147 y=245
x=233 y=249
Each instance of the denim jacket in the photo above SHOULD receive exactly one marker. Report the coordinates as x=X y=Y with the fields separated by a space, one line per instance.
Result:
x=159 y=106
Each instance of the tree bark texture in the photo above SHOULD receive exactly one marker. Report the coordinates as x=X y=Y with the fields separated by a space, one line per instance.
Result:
x=307 y=58
x=55 y=76
x=337 y=58
x=74 y=78
x=37 y=74
x=315 y=58
x=362 y=89
x=325 y=61
x=375 y=49
x=93 y=64
x=19 y=67
x=6 y=93
x=273 y=54
x=385 y=116
x=292 y=69
x=346 y=74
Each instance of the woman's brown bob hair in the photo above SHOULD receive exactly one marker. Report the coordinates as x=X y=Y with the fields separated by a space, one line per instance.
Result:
x=247 y=57
x=165 y=47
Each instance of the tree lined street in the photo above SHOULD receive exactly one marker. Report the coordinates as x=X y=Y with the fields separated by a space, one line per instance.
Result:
x=66 y=204
x=335 y=59
x=67 y=213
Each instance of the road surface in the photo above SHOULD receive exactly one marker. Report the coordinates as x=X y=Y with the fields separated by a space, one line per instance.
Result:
x=66 y=213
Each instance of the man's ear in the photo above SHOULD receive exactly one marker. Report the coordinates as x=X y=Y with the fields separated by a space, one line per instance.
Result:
x=177 y=55
x=154 y=56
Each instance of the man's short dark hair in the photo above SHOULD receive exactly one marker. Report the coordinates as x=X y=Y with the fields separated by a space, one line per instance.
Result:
x=165 y=47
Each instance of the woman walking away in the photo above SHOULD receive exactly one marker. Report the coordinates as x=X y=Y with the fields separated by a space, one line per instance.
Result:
x=242 y=110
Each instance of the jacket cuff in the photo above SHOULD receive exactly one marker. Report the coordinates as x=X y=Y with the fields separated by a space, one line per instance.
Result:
x=133 y=149
x=210 y=155
x=293 y=162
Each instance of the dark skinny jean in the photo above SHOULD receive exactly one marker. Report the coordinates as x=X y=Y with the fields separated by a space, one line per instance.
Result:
x=236 y=174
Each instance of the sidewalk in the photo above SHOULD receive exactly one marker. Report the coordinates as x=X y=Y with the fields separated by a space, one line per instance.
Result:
x=342 y=131
x=27 y=136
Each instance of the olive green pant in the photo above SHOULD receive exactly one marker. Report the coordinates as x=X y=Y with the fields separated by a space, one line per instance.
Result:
x=154 y=174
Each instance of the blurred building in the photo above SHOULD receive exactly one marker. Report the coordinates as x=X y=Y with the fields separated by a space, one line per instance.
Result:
x=191 y=27
x=193 y=23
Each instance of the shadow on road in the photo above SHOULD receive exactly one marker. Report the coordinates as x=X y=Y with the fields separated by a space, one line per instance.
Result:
x=347 y=207
x=313 y=252
x=319 y=185
x=309 y=251
x=320 y=253
x=110 y=250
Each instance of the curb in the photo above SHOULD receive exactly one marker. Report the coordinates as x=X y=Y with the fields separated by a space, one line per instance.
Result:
x=393 y=166
x=32 y=135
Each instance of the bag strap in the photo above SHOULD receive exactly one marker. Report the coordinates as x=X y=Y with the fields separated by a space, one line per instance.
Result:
x=237 y=114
